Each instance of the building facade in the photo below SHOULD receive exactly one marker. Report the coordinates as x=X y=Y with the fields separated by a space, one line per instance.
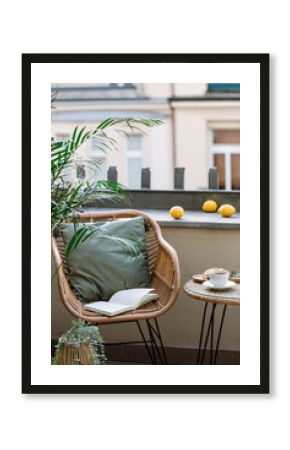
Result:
x=201 y=129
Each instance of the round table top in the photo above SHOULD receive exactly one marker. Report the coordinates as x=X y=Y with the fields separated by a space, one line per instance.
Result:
x=199 y=292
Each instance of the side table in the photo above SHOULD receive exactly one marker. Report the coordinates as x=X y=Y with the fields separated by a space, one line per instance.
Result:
x=225 y=297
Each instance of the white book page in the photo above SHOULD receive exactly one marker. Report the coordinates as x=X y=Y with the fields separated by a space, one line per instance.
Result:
x=130 y=297
x=107 y=308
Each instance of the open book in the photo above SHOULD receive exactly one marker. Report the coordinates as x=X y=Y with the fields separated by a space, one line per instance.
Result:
x=122 y=301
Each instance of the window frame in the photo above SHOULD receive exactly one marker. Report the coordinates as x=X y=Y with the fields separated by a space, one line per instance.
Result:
x=97 y=154
x=133 y=154
x=223 y=149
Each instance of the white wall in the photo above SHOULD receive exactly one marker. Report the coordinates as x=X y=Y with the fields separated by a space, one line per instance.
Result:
x=189 y=89
x=161 y=155
x=193 y=122
x=158 y=90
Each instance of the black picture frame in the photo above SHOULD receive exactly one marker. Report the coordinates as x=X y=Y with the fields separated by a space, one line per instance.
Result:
x=27 y=61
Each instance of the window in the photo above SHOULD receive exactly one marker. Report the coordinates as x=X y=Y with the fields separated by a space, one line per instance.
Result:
x=83 y=170
x=224 y=154
x=68 y=174
x=134 y=160
x=134 y=172
x=134 y=142
x=84 y=163
x=95 y=154
x=223 y=87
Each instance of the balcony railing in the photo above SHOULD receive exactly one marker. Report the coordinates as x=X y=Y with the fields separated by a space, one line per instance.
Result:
x=156 y=199
x=179 y=174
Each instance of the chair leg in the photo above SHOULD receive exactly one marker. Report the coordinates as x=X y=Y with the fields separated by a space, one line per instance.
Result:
x=157 y=343
x=149 y=350
x=154 y=346
x=161 y=342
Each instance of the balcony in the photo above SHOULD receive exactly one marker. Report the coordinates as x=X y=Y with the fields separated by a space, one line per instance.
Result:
x=192 y=157
x=201 y=241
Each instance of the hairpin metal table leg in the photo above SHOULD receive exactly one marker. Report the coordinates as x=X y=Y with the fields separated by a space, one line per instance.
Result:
x=210 y=331
x=211 y=324
x=201 y=334
x=219 y=333
x=211 y=320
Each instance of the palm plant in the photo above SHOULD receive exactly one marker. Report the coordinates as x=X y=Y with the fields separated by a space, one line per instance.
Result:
x=68 y=197
x=83 y=344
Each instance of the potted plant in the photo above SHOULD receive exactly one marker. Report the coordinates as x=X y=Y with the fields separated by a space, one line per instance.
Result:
x=80 y=345
x=83 y=344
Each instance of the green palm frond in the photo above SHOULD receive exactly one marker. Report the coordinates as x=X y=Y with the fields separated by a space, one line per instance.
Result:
x=63 y=152
x=67 y=198
x=80 y=236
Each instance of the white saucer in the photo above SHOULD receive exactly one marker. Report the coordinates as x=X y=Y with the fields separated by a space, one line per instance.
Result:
x=229 y=285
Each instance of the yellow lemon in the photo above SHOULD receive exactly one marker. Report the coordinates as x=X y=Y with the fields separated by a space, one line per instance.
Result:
x=226 y=210
x=209 y=206
x=176 y=212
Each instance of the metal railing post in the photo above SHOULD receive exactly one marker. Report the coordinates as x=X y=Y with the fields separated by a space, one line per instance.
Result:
x=145 y=178
x=112 y=174
x=179 y=177
x=213 y=178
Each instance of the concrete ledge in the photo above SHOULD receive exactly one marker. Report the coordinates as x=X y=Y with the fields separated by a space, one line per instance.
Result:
x=191 y=219
x=165 y=199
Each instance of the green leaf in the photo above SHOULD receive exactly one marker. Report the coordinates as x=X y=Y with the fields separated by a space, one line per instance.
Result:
x=74 y=133
x=77 y=141
x=128 y=244
x=105 y=124
x=85 y=136
x=56 y=145
x=79 y=237
x=67 y=198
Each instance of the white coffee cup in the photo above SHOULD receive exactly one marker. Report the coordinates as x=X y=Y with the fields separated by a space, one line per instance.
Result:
x=219 y=277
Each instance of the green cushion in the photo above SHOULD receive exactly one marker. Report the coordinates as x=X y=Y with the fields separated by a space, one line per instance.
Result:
x=99 y=267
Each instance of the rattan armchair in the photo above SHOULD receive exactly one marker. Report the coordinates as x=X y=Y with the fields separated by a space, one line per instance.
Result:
x=165 y=279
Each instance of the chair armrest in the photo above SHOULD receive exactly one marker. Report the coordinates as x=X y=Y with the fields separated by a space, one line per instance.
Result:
x=166 y=275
